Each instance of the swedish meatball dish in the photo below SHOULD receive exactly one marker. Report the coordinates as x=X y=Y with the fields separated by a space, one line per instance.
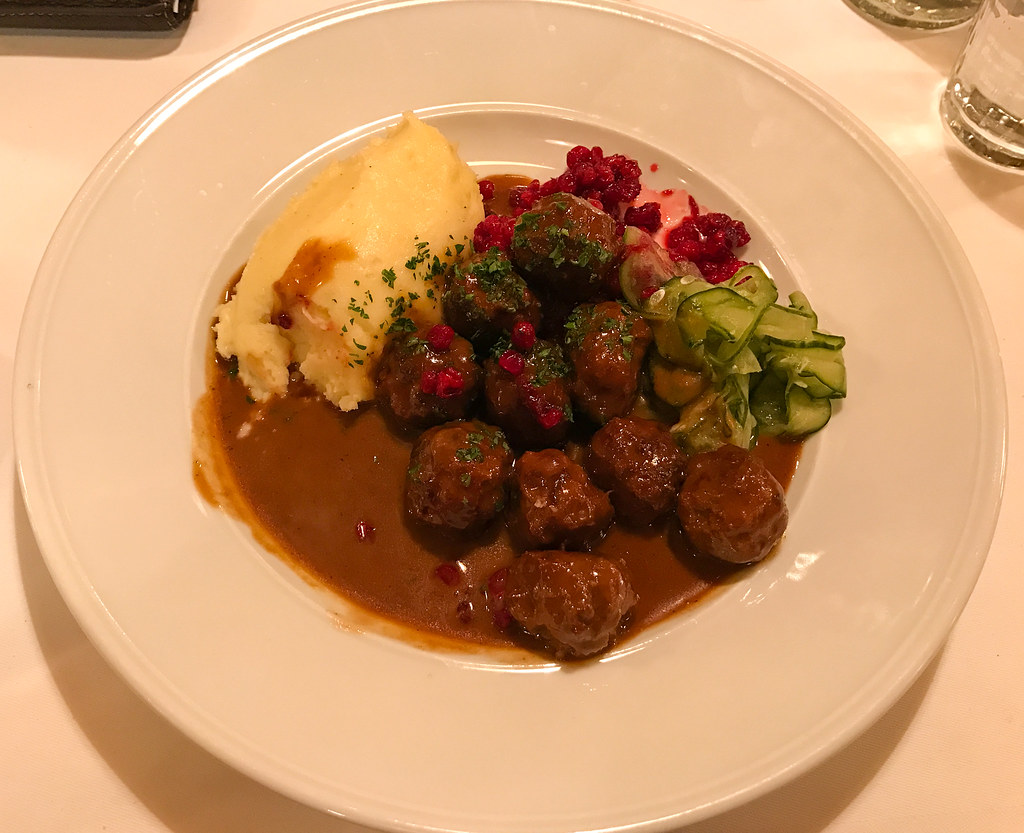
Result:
x=578 y=417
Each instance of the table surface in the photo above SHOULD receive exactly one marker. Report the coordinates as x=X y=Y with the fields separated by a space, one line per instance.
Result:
x=80 y=751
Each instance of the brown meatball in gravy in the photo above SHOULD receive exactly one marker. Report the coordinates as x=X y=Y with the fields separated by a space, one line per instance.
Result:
x=567 y=248
x=458 y=475
x=606 y=344
x=730 y=506
x=428 y=377
x=484 y=298
x=526 y=393
x=575 y=602
x=638 y=462
x=554 y=504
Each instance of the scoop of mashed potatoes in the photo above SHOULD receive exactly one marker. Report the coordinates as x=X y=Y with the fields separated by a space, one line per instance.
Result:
x=359 y=255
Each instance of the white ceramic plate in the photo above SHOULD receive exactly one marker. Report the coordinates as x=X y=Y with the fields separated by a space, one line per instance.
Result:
x=892 y=511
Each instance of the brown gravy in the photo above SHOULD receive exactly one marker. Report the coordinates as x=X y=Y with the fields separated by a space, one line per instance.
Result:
x=314 y=480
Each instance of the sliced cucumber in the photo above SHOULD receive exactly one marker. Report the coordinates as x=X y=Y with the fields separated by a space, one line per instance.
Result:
x=670 y=343
x=724 y=317
x=821 y=371
x=662 y=304
x=788 y=412
x=737 y=335
x=752 y=282
x=786 y=323
x=825 y=341
x=768 y=405
x=806 y=414
x=798 y=301
x=745 y=362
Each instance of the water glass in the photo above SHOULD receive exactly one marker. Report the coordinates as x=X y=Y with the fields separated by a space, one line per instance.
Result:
x=926 y=14
x=983 y=104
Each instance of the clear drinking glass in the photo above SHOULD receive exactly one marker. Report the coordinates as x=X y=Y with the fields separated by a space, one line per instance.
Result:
x=927 y=14
x=983 y=104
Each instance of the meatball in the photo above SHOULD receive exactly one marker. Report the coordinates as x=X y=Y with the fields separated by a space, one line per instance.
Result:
x=575 y=602
x=606 y=344
x=526 y=393
x=458 y=475
x=555 y=504
x=730 y=505
x=485 y=297
x=567 y=248
x=428 y=376
x=638 y=462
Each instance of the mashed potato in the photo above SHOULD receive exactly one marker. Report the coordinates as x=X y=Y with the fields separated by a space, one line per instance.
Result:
x=361 y=253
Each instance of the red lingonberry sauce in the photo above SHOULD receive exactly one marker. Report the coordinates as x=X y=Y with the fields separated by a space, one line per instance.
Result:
x=612 y=184
x=546 y=414
x=428 y=382
x=523 y=197
x=708 y=240
x=493 y=231
x=523 y=336
x=365 y=532
x=449 y=573
x=646 y=216
x=450 y=382
x=550 y=416
x=496 y=586
x=512 y=362
x=496 y=598
x=486 y=189
x=609 y=182
x=440 y=338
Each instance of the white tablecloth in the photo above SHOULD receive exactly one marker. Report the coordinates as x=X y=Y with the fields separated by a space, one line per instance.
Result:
x=79 y=751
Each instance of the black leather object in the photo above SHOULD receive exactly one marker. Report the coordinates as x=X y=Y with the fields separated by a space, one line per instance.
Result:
x=122 y=15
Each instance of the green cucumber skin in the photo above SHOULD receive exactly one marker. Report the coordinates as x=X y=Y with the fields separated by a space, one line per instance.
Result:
x=740 y=333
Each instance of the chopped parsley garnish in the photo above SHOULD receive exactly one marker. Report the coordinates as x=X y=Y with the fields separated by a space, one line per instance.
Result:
x=548 y=364
x=616 y=330
x=358 y=310
x=529 y=221
x=414 y=344
x=476 y=441
x=494 y=275
x=500 y=346
x=402 y=325
x=437 y=267
x=470 y=454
